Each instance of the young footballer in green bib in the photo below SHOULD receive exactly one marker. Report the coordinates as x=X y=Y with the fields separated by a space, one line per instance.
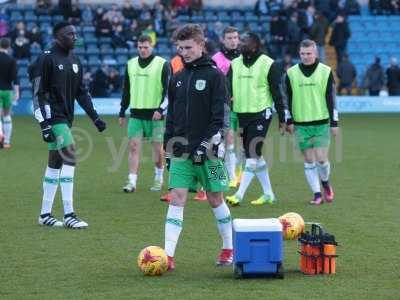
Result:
x=145 y=88
x=310 y=91
x=254 y=79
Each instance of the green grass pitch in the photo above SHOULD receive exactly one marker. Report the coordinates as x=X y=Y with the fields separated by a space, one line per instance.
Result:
x=100 y=262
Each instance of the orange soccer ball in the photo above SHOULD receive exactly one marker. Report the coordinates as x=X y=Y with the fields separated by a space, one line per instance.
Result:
x=153 y=261
x=293 y=225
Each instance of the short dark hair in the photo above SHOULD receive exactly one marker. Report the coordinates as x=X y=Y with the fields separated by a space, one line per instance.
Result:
x=5 y=43
x=60 y=26
x=307 y=43
x=253 y=37
x=229 y=29
x=190 y=32
x=144 y=38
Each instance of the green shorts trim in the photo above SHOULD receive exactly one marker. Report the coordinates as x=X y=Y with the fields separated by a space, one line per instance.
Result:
x=315 y=136
x=63 y=135
x=184 y=174
x=233 y=121
x=5 y=99
x=154 y=130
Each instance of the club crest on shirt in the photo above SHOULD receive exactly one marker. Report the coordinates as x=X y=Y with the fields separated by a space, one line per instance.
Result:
x=60 y=67
x=75 y=68
x=200 y=84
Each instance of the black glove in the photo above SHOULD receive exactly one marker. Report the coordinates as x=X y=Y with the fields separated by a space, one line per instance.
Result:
x=48 y=135
x=100 y=124
x=200 y=154
x=167 y=160
x=219 y=150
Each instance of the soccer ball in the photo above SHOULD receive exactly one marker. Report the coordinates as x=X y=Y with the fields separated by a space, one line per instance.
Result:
x=153 y=261
x=293 y=225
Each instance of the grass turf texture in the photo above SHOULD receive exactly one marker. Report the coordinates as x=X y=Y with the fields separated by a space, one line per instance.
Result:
x=100 y=262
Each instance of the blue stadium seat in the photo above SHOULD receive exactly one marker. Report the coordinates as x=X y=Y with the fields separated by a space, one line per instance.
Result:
x=197 y=19
x=88 y=29
x=210 y=16
x=16 y=16
x=119 y=51
x=122 y=59
x=237 y=16
x=92 y=49
x=223 y=16
x=58 y=18
x=44 y=18
x=30 y=17
x=183 y=18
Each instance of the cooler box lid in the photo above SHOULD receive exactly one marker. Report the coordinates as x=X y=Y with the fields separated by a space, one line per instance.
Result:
x=257 y=225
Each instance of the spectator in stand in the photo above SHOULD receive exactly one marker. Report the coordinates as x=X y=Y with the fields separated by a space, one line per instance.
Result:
x=145 y=15
x=64 y=7
x=103 y=27
x=294 y=35
x=128 y=11
x=20 y=41
x=318 y=32
x=324 y=7
x=181 y=6
x=210 y=34
x=285 y=63
x=278 y=32
x=149 y=31
x=132 y=33
x=100 y=84
x=115 y=80
x=261 y=8
x=292 y=8
x=275 y=6
x=196 y=7
x=43 y=7
x=352 y=7
x=374 y=78
x=304 y=4
x=118 y=37
x=113 y=13
x=159 y=18
x=3 y=23
x=87 y=15
x=98 y=16
x=35 y=36
x=74 y=15
x=393 y=78
x=347 y=74
x=339 y=37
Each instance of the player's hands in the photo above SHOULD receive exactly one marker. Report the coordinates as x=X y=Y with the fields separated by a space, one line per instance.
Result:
x=122 y=121
x=157 y=116
x=282 y=128
x=290 y=128
x=15 y=98
x=48 y=135
x=335 y=131
x=200 y=154
x=100 y=124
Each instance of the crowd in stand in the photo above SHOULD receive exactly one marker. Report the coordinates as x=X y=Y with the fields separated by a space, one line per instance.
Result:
x=289 y=23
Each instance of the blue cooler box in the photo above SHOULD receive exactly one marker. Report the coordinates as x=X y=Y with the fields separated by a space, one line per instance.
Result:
x=257 y=247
